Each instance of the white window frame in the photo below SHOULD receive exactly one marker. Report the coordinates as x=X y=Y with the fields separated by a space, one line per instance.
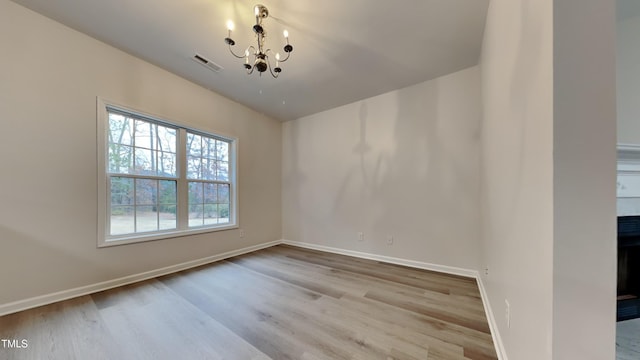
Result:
x=103 y=213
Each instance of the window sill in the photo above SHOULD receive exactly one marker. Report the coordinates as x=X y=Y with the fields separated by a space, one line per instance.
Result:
x=160 y=236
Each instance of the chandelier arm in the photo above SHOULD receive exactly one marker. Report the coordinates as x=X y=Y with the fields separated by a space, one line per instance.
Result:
x=280 y=60
x=275 y=75
x=234 y=54
x=287 y=58
x=267 y=53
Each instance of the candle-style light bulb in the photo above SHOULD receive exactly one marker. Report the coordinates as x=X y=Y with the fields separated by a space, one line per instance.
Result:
x=230 y=27
x=277 y=59
x=256 y=10
x=246 y=56
x=286 y=34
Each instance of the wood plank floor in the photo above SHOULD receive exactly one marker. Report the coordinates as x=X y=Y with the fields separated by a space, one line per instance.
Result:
x=279 y=303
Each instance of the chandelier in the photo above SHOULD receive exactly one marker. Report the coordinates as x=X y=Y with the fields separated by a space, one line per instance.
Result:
x=259 y=58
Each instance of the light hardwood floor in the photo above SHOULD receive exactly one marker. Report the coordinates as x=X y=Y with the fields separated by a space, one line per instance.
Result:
x=279 y=303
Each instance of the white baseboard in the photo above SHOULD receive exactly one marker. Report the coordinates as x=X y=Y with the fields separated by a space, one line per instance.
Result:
x=493 y=326
x=388 y=259
x=33 y=302
x=497 y=340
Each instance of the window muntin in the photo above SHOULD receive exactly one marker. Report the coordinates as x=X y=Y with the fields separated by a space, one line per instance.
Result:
x=150 y=165
x=208 y=203
x=142 y=205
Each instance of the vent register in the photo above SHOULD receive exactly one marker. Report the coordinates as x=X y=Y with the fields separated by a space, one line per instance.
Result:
x=206 y=63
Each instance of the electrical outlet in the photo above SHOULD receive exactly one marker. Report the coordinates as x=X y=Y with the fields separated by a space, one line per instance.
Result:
x=242 y=233
x=360 y=236
x=486 y=271
x=389 y=240
x=507 y=312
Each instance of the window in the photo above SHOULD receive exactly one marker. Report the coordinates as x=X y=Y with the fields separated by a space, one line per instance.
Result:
x=159 y=179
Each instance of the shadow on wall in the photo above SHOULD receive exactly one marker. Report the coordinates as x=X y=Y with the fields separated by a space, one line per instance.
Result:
x=351 y=211
x=359 y=173
x=417 y=177
x=508 y=190
x=403 y=193
x=526 y=66
x=403 y=164
x=431 y=191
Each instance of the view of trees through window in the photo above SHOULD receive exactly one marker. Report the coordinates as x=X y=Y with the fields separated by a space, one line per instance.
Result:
x=208 y=174
x=144 y=176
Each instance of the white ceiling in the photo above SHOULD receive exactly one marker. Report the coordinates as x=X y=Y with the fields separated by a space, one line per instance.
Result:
x=344 y=51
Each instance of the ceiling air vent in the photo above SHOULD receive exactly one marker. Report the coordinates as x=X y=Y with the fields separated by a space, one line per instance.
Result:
x=206 y=62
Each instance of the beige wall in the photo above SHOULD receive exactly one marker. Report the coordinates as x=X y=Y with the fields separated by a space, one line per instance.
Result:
x=50 y=76
x=584 y=147
x=517 y=172
x=548 y=176
x=404 y=163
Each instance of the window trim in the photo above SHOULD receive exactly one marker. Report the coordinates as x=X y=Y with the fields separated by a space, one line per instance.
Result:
x=102 y=154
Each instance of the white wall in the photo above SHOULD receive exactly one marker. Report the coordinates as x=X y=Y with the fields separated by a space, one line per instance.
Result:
x=548 y=176
x=628 y=79
x=50 y=76
x=585 y=245
x=628 y=206
x=517 y=172
x=628 y=182
x=628 y=94
x=404 y=163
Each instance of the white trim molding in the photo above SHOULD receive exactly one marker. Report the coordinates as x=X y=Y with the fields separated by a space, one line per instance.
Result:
x=388 y=259
x=33 y=302
x=493 y=326
x=628 y=152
